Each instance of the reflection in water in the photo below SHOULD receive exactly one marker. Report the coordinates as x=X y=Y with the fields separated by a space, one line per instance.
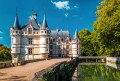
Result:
x=96 y=72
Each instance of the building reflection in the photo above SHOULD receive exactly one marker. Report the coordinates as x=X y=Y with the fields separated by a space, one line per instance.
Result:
x=77 y=73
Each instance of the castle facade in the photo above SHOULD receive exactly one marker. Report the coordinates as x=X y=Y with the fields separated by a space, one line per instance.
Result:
x=36 y=41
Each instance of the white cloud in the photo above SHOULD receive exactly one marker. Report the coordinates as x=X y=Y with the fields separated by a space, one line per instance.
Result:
x=75 y=6
x=62 y=4
x=1 y=32
x=66 y=14
x=1 y=37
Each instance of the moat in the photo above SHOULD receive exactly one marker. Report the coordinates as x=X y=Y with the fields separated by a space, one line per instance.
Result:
x=96 y=72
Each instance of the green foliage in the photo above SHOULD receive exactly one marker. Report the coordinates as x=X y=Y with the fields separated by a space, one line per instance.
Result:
x=105 y=39
x=87 y=48
x=5 y=53
x=48 y=75
x=107 y=28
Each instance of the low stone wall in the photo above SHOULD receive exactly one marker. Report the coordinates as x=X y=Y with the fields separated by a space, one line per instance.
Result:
x=113 y=59
x=6 y=64
x=58 y=72
x=10 y=64
x=28 y=61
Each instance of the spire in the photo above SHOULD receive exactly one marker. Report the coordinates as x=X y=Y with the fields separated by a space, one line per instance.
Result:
x=44 y=25
x=16 y=22
x=76 y=35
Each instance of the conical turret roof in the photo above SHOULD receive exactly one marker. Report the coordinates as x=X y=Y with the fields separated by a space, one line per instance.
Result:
x=76 y=35
x=16 y=23
x=44 y=25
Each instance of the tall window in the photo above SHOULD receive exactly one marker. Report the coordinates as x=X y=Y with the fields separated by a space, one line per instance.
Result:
x=29 y=40
x=67 y=46
x=51 y=52
x=12 y=40
x=59 y=41
x=47 y=41
x=51 y=47
x=67 y=41
x=29 y=50
x=53 y=40
x=30 y=30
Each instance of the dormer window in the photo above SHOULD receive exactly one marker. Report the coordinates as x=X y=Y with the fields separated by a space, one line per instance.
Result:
x=67 y=41
x=59 y=41
x=30 y=30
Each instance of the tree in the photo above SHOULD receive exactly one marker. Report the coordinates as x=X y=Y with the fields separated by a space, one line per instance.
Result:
x=86 y=45
x=5 y=53
x=106 y=33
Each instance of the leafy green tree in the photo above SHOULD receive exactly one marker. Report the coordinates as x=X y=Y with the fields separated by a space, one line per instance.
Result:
x=106 y=35
x=5 y=53
x=87 y=48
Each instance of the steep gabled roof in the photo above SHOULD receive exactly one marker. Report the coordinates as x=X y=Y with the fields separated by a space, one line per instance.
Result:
x=33 y=22
x=16 y=25
x=62 y=34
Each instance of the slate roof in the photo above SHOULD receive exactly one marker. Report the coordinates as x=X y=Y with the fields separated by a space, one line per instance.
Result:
x=76 y=35
x=44 y=25
x=33 y=22
x=16 y=25
x=62 y=34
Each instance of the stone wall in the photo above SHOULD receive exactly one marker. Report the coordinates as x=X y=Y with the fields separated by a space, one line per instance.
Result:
x=6 y=64
x=58 y=72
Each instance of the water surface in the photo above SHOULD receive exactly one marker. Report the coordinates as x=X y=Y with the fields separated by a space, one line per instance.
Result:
x=96 y=72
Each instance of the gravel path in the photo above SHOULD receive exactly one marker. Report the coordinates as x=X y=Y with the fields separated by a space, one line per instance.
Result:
x=26 y=72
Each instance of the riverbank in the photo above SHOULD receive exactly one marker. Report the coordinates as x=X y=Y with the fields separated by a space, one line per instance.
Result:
x=26 y=72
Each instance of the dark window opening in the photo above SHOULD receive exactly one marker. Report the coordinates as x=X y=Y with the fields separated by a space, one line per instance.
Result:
x=30 y=41
x=30 y=30
x=29 y=50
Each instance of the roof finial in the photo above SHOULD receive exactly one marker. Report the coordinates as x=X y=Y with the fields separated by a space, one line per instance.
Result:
x=16 y=11
x=44 y=12
x=67 y=27
x=32 y=10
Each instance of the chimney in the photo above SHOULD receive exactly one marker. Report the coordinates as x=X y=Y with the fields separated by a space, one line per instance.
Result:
x=61 y=29
x=57 y=29
x=34 y=15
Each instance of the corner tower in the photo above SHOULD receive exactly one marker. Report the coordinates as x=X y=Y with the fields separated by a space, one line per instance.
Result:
x=15 y=31
x=44 y=39
x=76 y=45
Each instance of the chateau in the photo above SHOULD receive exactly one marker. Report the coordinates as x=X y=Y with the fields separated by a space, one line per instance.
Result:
x=36 y=41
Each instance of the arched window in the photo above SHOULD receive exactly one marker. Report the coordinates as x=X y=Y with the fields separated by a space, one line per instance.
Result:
x=30 y=30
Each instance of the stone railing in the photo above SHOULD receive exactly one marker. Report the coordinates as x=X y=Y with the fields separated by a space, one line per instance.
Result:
x=57 y=72
x=10 y=64
x=6 y=64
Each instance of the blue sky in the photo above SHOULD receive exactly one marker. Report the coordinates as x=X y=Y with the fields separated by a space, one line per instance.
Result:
x=66 y=14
